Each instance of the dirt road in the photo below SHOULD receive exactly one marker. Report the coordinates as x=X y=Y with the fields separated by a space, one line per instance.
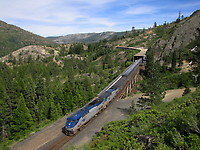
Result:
x=171 y=94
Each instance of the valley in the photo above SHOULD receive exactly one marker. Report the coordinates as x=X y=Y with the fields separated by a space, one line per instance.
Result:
x=43 y=80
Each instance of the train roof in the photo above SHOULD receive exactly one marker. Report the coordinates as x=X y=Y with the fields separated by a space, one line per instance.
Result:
x=81 y=112
x=95 y=102
x=119 y=83
x=105 y=95
x=110 y=90
x=128 y=71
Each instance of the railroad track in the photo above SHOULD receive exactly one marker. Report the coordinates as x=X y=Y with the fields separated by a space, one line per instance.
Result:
x=63 y=139
x=56 y=143
x=119 y=83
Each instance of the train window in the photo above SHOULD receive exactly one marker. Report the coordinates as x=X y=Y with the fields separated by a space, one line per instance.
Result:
x=72 y=120
x=83 y=109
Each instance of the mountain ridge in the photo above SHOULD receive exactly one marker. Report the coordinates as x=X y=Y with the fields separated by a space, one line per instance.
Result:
x=13 y=38
x=85 y=37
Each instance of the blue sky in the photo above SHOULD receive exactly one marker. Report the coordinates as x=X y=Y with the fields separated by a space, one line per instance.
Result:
x=62 y=17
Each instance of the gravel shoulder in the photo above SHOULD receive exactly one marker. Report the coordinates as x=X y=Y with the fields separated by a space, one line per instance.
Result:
x=38 y=139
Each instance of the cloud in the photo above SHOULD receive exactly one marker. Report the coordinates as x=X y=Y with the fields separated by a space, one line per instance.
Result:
x=49 y=11
x=95 y=2
x=54 y=17
x=189 y=4
x=99 y=21
x=53 y=11
x=141 y=10
x=64 y=30
x=51 y=30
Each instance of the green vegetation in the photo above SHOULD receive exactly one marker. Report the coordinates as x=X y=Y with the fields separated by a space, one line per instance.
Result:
x=164 y=31
x=172 y=125
x=36 y=92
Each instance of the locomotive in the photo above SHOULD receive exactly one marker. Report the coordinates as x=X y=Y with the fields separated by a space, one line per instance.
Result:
x=79 y=118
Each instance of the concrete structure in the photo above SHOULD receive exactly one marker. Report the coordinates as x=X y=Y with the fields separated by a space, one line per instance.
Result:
x=141 y=54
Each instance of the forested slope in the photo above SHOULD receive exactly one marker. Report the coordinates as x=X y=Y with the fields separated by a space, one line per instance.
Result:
x=34 y=92
x=13 y=38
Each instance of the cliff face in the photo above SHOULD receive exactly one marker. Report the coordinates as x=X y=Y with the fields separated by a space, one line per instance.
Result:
x=179 y=34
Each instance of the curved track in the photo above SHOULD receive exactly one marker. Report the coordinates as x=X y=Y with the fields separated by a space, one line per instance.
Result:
x=58 y=142
x=51 y=136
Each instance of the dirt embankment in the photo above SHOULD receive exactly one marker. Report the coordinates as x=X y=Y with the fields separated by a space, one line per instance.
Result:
x=172 y=94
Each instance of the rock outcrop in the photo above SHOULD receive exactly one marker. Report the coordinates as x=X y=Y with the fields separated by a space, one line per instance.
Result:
x=180 y=34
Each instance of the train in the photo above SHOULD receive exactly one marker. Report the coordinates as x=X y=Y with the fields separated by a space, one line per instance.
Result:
x=83 y=115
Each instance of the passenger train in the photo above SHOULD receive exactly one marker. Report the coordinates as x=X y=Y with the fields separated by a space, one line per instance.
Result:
x=85 y=114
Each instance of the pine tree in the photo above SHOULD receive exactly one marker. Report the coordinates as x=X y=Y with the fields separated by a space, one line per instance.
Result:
x=40 y=87
x=153 y=84
x=54 y=113
x=68 y=96
x=155 y=25
x=59 y=98
x=150 y=63
x=4 y=112
x=77 y=92
x=174 y=60
x=41 y=111
x=30 y=95
x=186 y=91
x=59 y=109
x=46 y=107
x=22 y=119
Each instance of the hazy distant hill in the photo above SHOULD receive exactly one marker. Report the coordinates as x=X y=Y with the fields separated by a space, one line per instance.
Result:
x=13 y=38
x=85 y=37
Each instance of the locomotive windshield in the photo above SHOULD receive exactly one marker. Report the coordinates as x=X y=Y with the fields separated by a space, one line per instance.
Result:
x=69 y=120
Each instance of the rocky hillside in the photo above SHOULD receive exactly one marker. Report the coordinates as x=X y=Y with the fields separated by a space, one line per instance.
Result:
x=180 y=35
x=13 y=38
x=30 y=52
x=85 y=37
x=177 y=35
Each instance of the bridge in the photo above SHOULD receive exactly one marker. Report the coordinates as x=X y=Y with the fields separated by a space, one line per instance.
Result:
x=141 y=54
x=130 y=84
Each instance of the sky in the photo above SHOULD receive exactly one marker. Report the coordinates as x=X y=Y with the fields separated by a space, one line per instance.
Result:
x=62 y=17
